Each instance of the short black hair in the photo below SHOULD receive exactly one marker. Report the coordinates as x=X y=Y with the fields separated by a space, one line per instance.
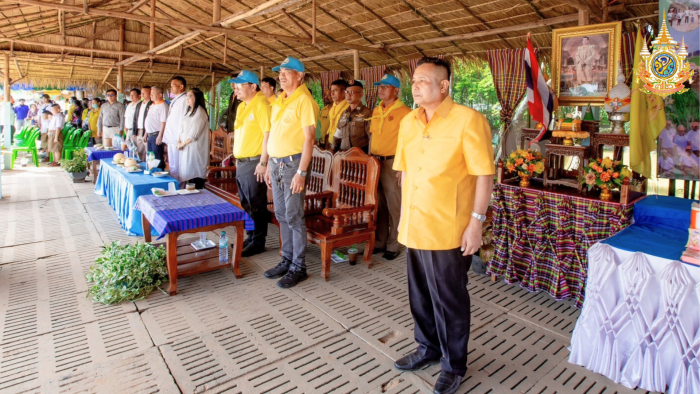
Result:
x=112 y=90
x=341 y=83
x=45 y=96
x=586 y=37
x=437 y=62
x=21 y=99
x=270 y=81
x=45 y=112
x=137 y=90
x=56 y=106
x=181 y=79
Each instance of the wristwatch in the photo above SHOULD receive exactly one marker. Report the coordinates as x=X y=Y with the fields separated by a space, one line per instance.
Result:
x=301 y=173
x=481 y=218
x=263 y=163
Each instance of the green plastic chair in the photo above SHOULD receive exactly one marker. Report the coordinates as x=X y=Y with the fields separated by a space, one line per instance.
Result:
x=80 y=143
x=69 y=143
x=30 y=147
x=21 y=137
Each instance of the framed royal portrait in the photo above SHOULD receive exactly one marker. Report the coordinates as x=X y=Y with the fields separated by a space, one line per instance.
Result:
x=584 y=62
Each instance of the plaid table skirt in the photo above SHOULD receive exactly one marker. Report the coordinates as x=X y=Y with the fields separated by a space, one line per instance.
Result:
x=541 y=239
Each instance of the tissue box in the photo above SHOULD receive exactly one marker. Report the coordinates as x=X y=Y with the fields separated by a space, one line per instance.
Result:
x=693 y=239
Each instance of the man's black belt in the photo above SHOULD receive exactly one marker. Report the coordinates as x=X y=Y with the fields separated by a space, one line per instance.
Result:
x=384 y=158
x=247 y=159
x=287 y=159
x=156 y=133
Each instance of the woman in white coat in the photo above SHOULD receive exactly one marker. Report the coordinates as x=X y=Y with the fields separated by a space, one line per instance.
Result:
x=193 y=140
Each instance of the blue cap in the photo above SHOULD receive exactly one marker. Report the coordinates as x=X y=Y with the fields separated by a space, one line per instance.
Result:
x=246 y=76
x=290 y=63
x=389 y=80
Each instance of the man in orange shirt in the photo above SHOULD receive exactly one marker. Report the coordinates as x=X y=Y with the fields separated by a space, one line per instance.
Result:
x=445 y=154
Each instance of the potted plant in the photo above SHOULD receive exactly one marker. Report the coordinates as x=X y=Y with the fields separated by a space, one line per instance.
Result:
x=126 y=272
x=526 y=163
x=77 y=167
x=606 y=174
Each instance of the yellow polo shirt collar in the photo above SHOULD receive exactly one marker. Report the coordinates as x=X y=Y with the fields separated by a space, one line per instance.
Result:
x=385 y=127
x=252 y=122
x=334 y=115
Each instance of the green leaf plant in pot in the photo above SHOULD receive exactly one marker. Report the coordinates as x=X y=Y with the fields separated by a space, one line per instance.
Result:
x=126 y=272
x=77 y=167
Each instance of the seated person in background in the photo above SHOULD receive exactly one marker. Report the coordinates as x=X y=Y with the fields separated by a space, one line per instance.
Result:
x=665 y=163
x=353 y=126
x=688 y=163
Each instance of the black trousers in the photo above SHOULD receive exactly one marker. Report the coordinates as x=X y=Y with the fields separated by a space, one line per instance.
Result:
x=157 y=149
x=253 y=196
x=437 y=290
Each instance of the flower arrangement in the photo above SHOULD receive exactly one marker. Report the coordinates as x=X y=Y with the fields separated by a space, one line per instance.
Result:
x=605 y=173
x=526 y=163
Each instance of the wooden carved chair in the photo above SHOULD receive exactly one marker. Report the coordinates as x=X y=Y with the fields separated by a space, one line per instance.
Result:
x=346 y=214
x=224 y=176
x=218 y=150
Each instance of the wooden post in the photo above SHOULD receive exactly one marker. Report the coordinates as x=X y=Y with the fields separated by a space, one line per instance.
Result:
x=120 y=69
x=212 y=95
x=152 y=35
x=225 y=47
x=216 y=13
x=262 y=73
x=356 y=64
x=606 y=12
x=313 y=22
x=583 y=17
x=6 y=77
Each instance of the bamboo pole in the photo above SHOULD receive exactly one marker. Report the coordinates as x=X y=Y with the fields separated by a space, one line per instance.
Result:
x=216 y=12
x=356 y=64
x=152 y=32
x=225 y=47
x=6 y=77
x=262 y=73
x=583 y=17
x=313 y=23
x=295 y=23
x=120 y=70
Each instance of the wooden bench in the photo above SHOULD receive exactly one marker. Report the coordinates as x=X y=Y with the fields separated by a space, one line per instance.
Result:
x=346 y=214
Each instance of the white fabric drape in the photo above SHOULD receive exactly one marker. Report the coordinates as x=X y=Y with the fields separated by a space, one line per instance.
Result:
x=640 y=322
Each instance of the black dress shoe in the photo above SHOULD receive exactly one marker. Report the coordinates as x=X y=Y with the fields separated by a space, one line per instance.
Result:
x=292 y=278
x=390 y=255
x=447 y=383
x=252 y=250
x=278 y=271
x=414 y=361
x=378 y=250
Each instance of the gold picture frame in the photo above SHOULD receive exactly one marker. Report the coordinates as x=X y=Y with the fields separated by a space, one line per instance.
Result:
x=584 y=62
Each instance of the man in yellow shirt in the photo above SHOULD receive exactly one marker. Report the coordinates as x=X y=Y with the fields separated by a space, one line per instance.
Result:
x=445 y=154
x=268 y=86
x=384 y=131
x=290 y=146
x=331 y=114
x=252 y=129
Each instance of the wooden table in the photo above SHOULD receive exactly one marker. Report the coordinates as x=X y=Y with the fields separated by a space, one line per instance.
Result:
x=183 y=260
x=618 y=141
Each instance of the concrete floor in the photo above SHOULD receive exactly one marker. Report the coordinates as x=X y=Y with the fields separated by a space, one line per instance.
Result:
x=221 y=334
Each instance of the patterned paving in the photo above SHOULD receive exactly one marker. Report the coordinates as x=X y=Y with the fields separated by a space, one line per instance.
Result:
x=220 y=334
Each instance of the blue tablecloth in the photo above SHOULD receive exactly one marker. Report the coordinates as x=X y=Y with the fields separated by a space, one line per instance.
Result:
x=122 y=189
x=660 y=228
x=98 y=154
x=187 y=212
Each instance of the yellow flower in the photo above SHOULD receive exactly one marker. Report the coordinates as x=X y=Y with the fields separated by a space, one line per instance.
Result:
x=625 y=173
x=512 y=155
x=539 y=167
x=606 y=163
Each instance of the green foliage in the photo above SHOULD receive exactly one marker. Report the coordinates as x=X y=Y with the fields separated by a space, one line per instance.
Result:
x=473 y=87
x=78 y=163
x=405 y=94
x=316 y=91
x=682 y=109
x=126 y=272
x=224 y=95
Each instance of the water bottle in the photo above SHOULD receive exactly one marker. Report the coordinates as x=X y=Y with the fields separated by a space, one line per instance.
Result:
x=223 y=247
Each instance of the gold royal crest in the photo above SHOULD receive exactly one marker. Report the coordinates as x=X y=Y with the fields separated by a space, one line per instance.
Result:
x=664 y=71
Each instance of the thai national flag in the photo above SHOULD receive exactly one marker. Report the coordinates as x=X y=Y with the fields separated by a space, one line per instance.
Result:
x=539 y=99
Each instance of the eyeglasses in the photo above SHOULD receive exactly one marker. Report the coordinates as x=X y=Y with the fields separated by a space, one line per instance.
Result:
x=110 y=95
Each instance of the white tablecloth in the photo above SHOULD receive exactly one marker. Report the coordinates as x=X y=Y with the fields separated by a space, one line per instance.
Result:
x=640 y=322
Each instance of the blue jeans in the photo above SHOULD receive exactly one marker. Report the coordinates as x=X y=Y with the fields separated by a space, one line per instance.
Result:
x=289 y=210
x=156 y=149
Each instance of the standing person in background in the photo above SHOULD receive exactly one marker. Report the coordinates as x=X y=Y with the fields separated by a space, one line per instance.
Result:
x=69 y=108
x=177 y=109
x=444 y=152
x=193 y=140
x=55 y=134
x=93 y=115
x=32 y=115
x=155 y=124
x=249 y=149
x=44 y=105
x=290 y=146
x=384 y=130
x=227 y=119
x=45 y=121
x=21 y=112
x=76 y=118
x=268 y=86
x=353 y=126
x=111 y=120
x=140 y=139
x=130 y=114
x=331 y=114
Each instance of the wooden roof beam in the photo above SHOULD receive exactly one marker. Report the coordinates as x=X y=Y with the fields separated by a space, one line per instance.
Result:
x=523 y=26
x=295 y=23
x=195 y=26
x=431 y=24
x=228 y=21
x=592 y=9
x=486 y=25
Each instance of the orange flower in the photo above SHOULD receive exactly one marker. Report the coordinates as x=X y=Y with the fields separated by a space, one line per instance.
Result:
x=600 y=170
x=616 y=174
x=531 y=167
x=511 y=167
x=605 y=177
x=600 y=160
x=530 y=157
x=518 y=162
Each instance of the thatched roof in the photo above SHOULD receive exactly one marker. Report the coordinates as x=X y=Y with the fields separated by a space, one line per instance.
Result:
x=43 y=35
